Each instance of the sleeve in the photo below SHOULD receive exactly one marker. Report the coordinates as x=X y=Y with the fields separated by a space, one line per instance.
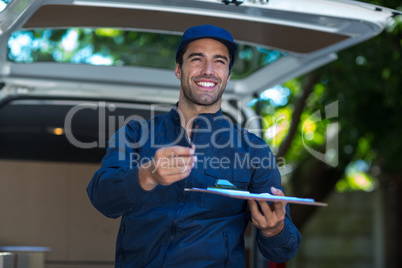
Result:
x=114 y=189
x=284 y=246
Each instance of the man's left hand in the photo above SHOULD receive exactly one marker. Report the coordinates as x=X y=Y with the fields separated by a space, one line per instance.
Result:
x=272 y=219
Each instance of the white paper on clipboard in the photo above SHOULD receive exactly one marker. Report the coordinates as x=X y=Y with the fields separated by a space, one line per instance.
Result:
x=260 y=197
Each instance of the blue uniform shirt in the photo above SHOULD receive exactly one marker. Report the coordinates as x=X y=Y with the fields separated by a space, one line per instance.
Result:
x=170 y=227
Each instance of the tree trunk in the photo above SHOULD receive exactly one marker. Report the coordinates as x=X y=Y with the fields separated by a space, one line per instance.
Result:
x=308 y=87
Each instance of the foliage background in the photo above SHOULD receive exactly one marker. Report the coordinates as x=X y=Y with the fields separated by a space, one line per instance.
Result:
x=366 y=82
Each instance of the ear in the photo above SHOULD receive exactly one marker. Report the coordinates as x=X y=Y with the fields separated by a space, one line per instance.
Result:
x=177 y=71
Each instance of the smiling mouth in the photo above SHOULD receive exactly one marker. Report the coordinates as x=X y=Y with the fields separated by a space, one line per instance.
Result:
x=206 y=84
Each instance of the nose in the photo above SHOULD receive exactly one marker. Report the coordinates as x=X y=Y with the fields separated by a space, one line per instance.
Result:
x=208 y=68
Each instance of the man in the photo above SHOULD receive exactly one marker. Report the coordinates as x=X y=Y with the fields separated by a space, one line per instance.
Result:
x=149 y=164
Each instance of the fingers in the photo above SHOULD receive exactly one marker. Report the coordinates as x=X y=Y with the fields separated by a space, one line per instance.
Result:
x=278 y=206
x=175 y=156
x=268 y=218
x=171 y=164
x=167 y=171
x=273 y=213
x=169 y=179
x=175 y=151
x=267 y=211
x=175 y=162
x=255 y=213
x=265 y=217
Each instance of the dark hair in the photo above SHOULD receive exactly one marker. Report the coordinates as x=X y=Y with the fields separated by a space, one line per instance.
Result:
x=181 y=53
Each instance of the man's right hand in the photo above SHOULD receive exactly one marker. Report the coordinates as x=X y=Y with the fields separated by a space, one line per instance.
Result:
x=169 y=165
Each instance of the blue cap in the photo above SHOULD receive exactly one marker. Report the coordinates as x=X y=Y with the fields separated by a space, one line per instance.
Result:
x=208 y=31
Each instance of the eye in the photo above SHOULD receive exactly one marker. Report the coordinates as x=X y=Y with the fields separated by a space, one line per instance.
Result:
x=221 y=61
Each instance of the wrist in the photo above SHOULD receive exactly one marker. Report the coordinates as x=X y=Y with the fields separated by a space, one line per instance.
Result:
x=271 y=232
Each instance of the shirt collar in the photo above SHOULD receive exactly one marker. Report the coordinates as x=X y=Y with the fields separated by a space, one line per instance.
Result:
x=175 y=115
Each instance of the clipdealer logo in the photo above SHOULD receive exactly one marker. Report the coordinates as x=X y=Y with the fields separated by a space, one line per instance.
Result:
x=104 y=122
x=331 y=154
x=148 y=133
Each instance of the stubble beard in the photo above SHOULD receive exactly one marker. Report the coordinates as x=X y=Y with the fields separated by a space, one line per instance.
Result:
x=208 y=100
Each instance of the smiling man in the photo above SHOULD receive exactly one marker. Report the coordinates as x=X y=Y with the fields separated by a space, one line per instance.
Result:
x=192 y=146
x=204 y=75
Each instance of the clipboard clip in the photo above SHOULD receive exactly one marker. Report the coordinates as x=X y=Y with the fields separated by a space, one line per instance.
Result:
x=224 y=184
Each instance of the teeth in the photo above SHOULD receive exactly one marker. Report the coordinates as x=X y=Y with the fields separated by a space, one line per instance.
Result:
x=206 y=84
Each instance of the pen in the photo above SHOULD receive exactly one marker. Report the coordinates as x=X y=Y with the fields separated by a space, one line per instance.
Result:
x=190 y=144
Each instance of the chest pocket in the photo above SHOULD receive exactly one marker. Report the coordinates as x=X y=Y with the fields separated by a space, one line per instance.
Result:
x=229 y=206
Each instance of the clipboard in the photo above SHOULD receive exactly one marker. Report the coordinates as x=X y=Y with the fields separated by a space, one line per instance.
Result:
x=241 y=194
